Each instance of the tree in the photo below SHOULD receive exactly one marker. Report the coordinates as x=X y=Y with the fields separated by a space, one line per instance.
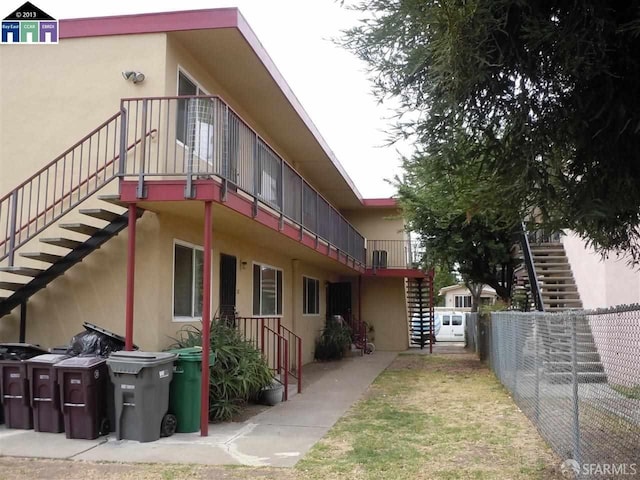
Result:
x=443 y=277
x=545 y=94
x=480 y=246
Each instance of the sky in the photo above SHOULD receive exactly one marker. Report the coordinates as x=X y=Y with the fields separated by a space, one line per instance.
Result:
x=330 y=82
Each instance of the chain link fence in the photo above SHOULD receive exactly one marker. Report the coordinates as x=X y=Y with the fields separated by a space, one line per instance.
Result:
x=576 y=375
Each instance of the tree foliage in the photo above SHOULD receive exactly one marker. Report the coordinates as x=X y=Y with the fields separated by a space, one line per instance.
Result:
x=479 y=245
x=545 y=96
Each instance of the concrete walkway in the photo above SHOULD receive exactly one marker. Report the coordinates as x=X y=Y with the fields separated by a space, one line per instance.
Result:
x=278 y=436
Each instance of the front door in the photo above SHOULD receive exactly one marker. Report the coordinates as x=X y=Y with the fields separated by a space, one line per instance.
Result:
x=228 y=265
x=339 y=300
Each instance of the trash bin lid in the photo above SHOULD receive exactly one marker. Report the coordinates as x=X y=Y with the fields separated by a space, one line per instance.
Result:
x=145 y=358
x=190 y=354
x=50 y=358
x=83 y=363
x=19 y=351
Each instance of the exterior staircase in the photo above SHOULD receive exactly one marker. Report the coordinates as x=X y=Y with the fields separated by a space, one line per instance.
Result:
x=55 y=218
x=555 y=278
x=420 y=311
x=558 y=367
x=550 y=267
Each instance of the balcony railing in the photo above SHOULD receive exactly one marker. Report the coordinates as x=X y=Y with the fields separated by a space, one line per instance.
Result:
x=196 y=137
x=398 y=254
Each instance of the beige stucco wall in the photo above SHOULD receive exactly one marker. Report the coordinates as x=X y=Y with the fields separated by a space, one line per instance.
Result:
x=384 y=307
x=601 y=282
x=377 y=223
x=94 y=290
x=67 y=90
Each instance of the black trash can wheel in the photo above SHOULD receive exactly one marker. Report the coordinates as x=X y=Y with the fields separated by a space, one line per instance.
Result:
x=168 y=425
x=105 y=426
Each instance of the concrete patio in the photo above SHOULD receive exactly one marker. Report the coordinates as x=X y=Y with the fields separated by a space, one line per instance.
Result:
x=278 y=436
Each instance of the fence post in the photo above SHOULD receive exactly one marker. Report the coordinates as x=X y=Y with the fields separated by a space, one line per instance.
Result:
x=515 y=329
x=536 y=364
x=574 y=377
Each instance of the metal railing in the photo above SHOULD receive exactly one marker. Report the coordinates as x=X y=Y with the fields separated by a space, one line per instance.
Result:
x=536 y=293
x=61 y=185
x=381 y=254
x=295 y=355
x=255 y=331
x=275 y=350
x=201 y=136
x=576 y=375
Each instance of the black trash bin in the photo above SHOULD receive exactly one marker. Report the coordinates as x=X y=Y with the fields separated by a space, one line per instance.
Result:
x=14 y=384
x=86 y=396
x=44 y=392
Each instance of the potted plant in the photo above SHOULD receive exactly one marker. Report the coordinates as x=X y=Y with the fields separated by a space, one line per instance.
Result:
x=272 y=394
x=334 y=341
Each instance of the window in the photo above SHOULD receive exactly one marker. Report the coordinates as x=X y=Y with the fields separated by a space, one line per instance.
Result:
x=462 y=301
x=456 y=320
x=194 y=127
x=187 y=281
x=446 y=320
x=267 y=290
x=311 y=296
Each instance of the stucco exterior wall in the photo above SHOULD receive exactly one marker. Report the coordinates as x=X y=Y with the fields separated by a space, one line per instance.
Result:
x=94 y=290
x=384 y=308
x=601 y=282
x=377 y=223
x=68 y=90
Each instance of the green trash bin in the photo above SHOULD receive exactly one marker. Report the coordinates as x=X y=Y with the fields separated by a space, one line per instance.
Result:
x=184 y=393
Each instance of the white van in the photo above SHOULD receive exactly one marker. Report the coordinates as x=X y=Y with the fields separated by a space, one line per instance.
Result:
x=452 y=326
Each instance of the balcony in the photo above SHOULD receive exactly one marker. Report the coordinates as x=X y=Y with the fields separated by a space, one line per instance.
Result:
x=393 y=258
x=192 y=139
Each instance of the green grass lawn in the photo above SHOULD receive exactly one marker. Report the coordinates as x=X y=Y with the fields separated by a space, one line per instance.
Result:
x=440 y=417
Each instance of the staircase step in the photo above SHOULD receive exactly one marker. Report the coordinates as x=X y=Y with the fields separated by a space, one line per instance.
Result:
x=61 y=242
x=561 y=301
x=11 y=286
x=42 y=257
x=582 y=377
x=82 y=228
x=565 y=366
x=113 y=199
x=100 y=213
x=24 y=271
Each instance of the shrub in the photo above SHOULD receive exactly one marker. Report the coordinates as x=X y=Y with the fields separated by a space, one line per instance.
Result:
x=334 y=340
x=238 y=373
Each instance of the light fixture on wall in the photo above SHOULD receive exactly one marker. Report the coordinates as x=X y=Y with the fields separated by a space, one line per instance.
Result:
x=135 y=77
x=243 y=265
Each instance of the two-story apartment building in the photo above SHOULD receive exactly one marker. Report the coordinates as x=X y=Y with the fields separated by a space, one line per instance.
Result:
x=191 y=183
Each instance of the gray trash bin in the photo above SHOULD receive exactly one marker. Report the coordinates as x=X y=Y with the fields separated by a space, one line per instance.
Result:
x=141 y=394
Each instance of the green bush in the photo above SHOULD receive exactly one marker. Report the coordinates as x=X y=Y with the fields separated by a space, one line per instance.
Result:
x=238 y=373
x=334 y=341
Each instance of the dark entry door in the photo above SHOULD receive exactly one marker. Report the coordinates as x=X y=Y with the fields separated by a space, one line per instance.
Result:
x=228 y=265
x=339 y=300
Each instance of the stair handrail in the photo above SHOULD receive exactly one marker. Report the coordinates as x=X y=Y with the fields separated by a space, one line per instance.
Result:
x=107 y=155
x=531 y=270
x=279 y=355
x=297 y=342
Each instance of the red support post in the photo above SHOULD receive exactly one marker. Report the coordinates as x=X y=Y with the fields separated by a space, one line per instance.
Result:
x=431 y=311
x=206 y=322
x=360 y=298
x=262 y=345
x=131 y=273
